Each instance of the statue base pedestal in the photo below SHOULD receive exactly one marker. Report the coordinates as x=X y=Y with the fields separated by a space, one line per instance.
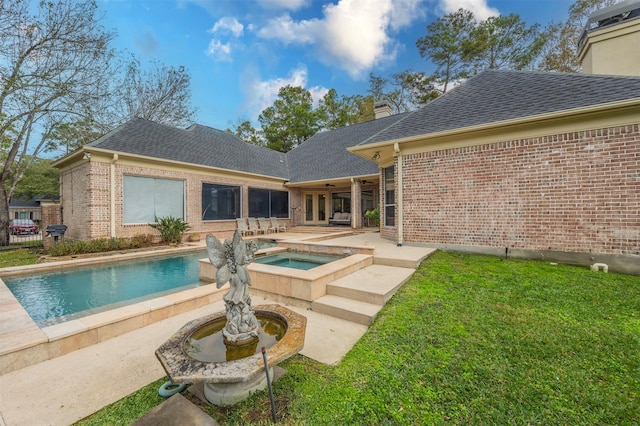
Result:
x=223 y=394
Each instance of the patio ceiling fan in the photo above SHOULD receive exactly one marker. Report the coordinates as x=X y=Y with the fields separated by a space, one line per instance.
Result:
x=328 y=184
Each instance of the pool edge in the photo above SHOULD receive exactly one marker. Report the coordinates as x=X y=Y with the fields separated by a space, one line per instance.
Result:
x=26 y=344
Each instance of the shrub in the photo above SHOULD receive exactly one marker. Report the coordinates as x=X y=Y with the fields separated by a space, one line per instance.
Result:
x=69 y=248
x=373 y=214
x=171 y=228
x=142 y=240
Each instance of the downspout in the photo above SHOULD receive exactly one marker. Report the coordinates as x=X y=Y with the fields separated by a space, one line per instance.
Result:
x=112 y=195
x=398 y=155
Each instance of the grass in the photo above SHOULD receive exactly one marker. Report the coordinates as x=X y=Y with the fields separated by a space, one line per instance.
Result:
x=18 y=257
x=468 y=340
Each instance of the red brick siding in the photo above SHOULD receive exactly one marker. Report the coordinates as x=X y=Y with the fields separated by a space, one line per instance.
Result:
x=576 y=192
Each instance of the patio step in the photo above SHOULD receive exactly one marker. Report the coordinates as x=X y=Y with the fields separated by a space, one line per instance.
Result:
x=346 y=309
x=374 y=284
x=302 y=229
x=359 y=296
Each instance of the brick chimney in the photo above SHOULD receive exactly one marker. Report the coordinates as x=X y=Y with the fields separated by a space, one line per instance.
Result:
x=611 y=39
x=382 y=109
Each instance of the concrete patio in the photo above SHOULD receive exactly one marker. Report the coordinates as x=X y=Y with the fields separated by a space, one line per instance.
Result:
x=67 y=388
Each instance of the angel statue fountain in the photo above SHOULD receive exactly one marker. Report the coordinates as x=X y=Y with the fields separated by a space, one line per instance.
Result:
x=231 y=259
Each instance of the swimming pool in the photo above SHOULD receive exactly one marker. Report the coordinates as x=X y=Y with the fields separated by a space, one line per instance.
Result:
x=265 y=243
x=59 y=296
x=297 y=260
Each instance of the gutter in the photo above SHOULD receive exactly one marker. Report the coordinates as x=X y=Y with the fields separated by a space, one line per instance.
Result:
x=610 y=107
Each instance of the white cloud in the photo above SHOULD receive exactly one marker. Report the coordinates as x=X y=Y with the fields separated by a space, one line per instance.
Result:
x=219 y=51
x=228 y=24
x=286 y=30
x=479 y=8
x=283 y=4
x=353 y=34
x=404 y=12
x=262 y=93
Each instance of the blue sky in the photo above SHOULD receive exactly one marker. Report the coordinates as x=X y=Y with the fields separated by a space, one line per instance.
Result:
x=240 y=52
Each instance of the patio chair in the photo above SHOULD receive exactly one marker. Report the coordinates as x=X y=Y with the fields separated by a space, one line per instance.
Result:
x=278 y=226
x=253 y=226
x=266 y=225
x=242 y=227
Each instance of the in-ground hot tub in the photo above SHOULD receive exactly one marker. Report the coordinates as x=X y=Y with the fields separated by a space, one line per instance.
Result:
x=296 y=285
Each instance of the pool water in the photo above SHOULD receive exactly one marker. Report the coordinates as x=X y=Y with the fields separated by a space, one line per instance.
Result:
x=297 y=260
x=264 y=244
x=60 y=296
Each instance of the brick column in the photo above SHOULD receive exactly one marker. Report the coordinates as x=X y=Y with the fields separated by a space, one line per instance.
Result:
x=51 y=214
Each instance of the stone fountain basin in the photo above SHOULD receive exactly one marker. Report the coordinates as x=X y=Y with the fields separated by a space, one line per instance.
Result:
x=181 y=368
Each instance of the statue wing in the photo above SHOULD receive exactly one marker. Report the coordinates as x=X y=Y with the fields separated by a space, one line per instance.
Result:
x=216 y=252
x=222 y=276
x=238 y=249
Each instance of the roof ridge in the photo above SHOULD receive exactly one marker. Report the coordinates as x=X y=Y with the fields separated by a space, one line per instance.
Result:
x=400 y=120
x=553 y=74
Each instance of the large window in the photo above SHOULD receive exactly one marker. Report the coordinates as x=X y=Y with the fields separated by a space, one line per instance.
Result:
x=389 y=196
x=341 y=202
x=268 y=203
x=220 y=202
x=145 y=198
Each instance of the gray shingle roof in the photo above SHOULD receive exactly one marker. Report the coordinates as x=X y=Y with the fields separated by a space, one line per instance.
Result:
x=325 y=155
x=196 y=145
x=494 y=95
x=490 y=97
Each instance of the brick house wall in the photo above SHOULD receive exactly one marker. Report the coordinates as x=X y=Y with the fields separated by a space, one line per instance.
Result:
x=573 y=192
x=75 y=200
x=86 y=199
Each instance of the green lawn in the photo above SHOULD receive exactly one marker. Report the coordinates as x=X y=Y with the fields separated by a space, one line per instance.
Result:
x=468 y=340
x=18 y=257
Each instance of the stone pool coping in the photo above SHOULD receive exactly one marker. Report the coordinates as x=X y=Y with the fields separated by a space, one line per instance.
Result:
x=24 y=343
x=295 y=286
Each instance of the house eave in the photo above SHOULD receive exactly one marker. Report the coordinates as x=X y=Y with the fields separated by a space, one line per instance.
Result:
x=108 y=156
x=346 y=180
x=618 y=113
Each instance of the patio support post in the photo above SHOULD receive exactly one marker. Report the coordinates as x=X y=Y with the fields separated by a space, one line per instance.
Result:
x=399 y=212
x=356 y=204
x=112 y=195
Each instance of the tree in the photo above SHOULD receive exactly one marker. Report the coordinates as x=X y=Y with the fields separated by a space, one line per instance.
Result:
x=336 y=111
x=160 y=93
x=460 y=47
x=505 y=42
x=405 y=91
x=54 y=69
x=561 y=50
x=74 y=134
x=447 y=45
x=291 y=119
x=245 y=131
x=383 y=90
x=39 y=179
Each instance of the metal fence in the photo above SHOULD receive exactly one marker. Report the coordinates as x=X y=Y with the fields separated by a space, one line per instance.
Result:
x=24 y=240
